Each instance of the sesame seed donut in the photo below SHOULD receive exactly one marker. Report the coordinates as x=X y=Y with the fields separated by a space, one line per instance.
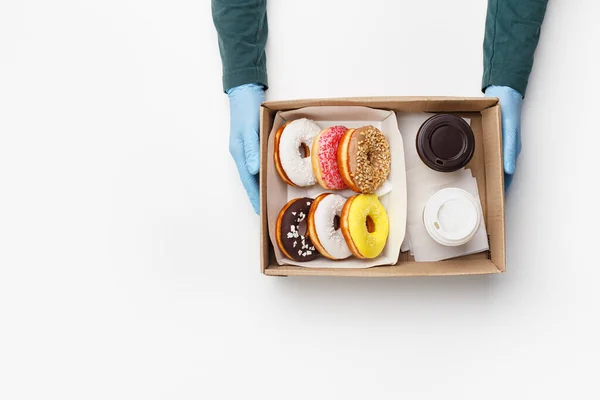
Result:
x=365 y=225
x=324 y=226
x=324 y=158
x=291 y=231
x=293 y=143
x=364 y=159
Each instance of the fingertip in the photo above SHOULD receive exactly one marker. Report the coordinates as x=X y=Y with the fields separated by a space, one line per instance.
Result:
x=252 y=150
x=509 y=166
x=253 y=164
x=510 y=158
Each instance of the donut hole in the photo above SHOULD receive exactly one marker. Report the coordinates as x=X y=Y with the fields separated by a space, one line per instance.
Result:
x=370 y=157
x=304 y=150
x=303 y=228
x=370 y=224
x=336 y=222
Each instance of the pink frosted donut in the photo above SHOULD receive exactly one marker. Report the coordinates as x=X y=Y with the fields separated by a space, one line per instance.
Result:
x=324 y=158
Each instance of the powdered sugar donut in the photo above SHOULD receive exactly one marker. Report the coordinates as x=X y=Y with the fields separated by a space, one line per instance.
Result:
x=324 y=158
x=293 y=143
x=324 y=226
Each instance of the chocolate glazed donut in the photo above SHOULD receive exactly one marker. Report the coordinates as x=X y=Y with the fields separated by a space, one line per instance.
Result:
x=292 y=237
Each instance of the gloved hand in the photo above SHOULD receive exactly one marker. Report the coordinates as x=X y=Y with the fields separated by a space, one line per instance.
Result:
x=244 y=111
x=511 y=103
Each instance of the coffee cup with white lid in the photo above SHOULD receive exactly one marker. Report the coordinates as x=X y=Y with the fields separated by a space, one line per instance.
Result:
x=452 y=216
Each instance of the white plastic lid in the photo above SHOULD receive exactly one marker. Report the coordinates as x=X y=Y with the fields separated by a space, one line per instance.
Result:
x=452 y=216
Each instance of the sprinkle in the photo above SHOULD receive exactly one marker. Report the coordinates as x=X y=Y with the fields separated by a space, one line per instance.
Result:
x=328 y=146
x=295 y=243
x=290 y=235
x=309 y=252
x=293 y=212
x=304 y=254
x=308 y=203
x=299 y=252
x=293 y=228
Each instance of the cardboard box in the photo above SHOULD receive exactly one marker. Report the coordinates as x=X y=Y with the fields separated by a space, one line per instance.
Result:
x=486 y=166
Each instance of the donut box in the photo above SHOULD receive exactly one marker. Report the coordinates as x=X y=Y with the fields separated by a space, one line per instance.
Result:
x=384 y=114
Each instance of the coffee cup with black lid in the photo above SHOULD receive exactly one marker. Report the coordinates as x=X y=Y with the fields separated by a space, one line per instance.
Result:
x=445 y=143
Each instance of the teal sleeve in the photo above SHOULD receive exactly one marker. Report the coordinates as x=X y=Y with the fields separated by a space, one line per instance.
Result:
x=512 y=32
x=242 y=30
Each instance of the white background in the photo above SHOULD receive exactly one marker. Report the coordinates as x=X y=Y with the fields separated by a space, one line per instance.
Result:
x=118 y=200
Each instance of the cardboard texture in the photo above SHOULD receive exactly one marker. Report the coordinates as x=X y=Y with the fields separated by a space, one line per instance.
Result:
x=486 y=166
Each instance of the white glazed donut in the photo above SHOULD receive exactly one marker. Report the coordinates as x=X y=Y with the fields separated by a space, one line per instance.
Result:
x=295 y=168
x=324 y=226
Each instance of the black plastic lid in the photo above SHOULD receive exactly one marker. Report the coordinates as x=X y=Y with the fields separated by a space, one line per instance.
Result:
x=445 y=143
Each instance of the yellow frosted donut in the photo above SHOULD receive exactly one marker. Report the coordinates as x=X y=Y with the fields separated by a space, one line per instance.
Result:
x=365 y=225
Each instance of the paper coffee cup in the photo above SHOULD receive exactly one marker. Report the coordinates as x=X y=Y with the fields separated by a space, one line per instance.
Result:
x=445 y=143
x=452 y=216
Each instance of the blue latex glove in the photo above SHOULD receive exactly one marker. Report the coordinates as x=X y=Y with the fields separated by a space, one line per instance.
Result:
x=511 y=103
x=244 y=146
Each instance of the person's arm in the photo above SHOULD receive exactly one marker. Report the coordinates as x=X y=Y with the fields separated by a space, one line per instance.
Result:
x=512 y=32
x=242 y=29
